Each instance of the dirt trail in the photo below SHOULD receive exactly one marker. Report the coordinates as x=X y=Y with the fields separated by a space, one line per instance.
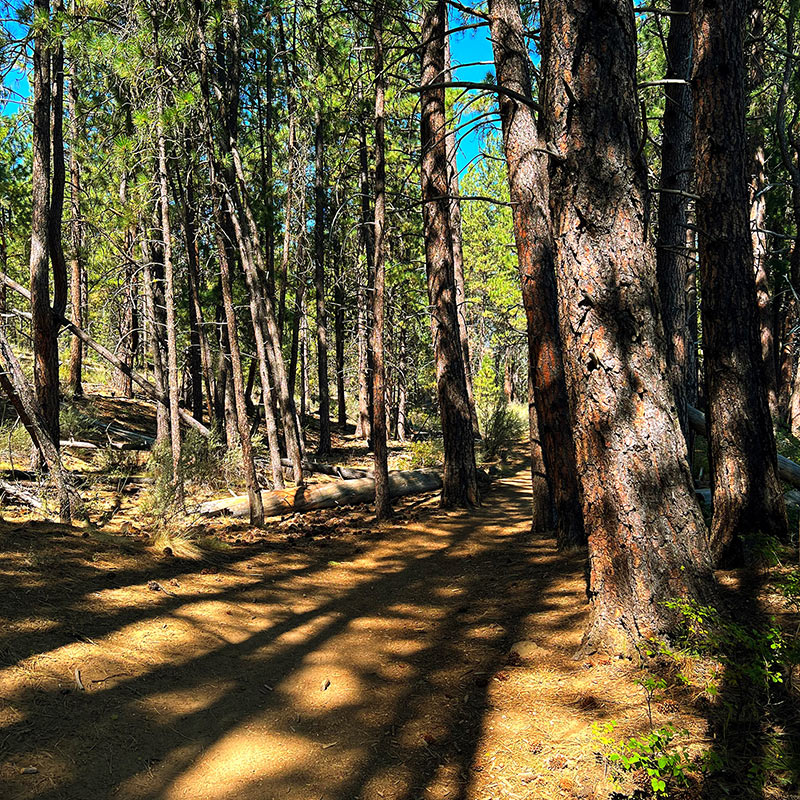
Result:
x=373 y=667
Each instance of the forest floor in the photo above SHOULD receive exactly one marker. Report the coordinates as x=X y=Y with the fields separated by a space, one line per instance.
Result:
x=324 y=658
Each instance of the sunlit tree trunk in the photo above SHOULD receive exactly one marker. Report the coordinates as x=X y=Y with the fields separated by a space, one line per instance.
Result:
x=76 y=237
x=647 y=539
x=459 y=487
x=528 y=183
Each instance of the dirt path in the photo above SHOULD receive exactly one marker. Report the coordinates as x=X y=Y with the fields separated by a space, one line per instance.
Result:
x=371 y=666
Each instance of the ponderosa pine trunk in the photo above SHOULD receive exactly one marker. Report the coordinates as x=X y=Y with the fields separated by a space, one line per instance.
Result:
x=528 y=184
x=647 y=539
x=459 y=483
x=43 y=327
x=672 y=258
x=378 y=423
x=747 y=498
x=339 y=299
x=458 y=247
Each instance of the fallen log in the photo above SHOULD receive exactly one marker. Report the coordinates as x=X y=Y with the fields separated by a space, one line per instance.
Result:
x=787 y=469
x=143 y=383
x=79 y=445
x=329 y=495
x=346 y=473
x=20 y=494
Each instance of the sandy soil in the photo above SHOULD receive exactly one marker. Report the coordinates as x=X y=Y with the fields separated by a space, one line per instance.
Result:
x=349 y=662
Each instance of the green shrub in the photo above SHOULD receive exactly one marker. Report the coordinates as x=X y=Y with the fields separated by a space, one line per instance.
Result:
x=503 y=429
x=424 y=453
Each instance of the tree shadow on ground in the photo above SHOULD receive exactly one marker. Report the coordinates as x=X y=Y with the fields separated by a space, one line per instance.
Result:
x=755 y=723
x=307 y=677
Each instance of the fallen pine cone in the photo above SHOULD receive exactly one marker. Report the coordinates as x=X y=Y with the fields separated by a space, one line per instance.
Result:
x=557 y=761
x=667 y=707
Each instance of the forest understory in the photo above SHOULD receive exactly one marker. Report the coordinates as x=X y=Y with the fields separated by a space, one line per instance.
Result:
x=433 y=655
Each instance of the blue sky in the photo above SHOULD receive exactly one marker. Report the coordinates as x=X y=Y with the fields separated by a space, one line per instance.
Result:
x=467 y=47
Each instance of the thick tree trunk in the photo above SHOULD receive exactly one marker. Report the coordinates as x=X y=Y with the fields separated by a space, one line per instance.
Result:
x=458 y=249
x=460 y=487
x=378 y=422
x=647 y=539
x=528 y=183
x=672 y=258
x=43 y=327
x=746 y=493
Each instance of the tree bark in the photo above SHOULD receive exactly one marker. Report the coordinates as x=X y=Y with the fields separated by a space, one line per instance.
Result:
x=746 y=493
x=459 y=487
x=647 y=539
x=76 y=235
x=528 y=184
x=672 y=258
x=378 y=422
x=43 y=327
x=329 y=495
x=458 y=249
x=169 y=279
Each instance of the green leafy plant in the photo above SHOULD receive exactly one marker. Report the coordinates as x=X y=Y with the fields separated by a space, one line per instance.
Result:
x=424 y=453
x=756 y=657
x=655 y=753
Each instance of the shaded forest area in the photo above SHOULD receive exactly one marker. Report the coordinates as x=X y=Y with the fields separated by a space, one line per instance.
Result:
x=399 y=401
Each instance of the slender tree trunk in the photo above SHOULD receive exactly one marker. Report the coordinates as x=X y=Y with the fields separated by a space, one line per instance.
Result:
x=152 y=297
x=363 y=423
x=324 y=446
x=402 y=390
x=368 y=239
x=458 y=249
x=459 y=483
x=647 y=539
x=528 y=183
x=15 y=385
x=76 y=235
x=43 y=329
x=338 y=332
x=378 y=427
x=169 y=283
x=747 y=497
x=250 y=477
x=195 y=304
x=672 y=258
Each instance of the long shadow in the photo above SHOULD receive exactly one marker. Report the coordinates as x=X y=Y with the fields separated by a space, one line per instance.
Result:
x=755 y=724
x=410 y=646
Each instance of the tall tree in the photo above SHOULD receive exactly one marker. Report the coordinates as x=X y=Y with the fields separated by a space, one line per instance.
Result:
x=458 y=248
x=43 y=326
x=747 y=497
x=672 y=257
x=324 y=446
x=378 y=423
x=173 y=384
x=528 y=184
x=459 y=486
x=647 y=538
